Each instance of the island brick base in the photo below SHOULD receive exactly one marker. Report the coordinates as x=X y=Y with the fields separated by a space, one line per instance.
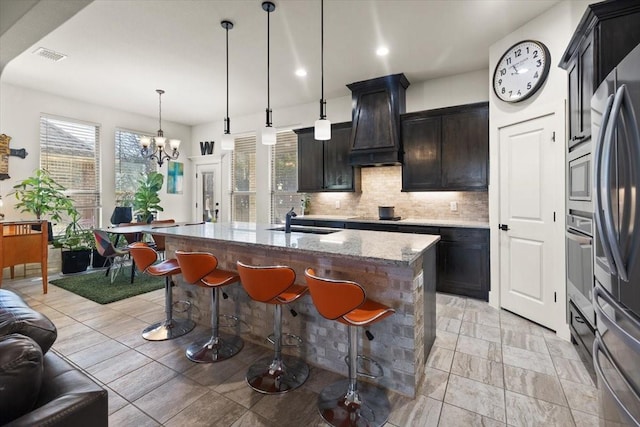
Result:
x=402 y=341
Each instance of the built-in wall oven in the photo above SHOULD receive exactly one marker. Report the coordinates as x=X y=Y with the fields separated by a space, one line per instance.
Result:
x=580 y=180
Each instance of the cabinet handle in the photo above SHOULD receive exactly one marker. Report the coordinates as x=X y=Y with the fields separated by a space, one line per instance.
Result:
x=578 y=138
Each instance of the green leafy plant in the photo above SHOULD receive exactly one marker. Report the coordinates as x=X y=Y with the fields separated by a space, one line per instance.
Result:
x=41 y=195
x=146 y=202
x=75 y=236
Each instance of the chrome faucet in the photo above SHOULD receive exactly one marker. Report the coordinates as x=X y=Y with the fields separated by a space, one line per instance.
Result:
x=287 y=222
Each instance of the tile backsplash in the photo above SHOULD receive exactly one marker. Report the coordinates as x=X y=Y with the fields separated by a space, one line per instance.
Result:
x=381 y=186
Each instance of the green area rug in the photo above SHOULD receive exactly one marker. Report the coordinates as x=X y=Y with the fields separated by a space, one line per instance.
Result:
x=96 y=286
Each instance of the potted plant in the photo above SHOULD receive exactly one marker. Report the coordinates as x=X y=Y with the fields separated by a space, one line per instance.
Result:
x=42 y=196
x=76 y=244
x=146 y=202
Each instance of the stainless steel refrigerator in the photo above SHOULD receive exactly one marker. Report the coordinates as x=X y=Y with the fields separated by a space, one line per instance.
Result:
x=615 y=109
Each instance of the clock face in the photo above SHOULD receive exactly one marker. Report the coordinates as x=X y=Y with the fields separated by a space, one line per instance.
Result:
x=521 y=71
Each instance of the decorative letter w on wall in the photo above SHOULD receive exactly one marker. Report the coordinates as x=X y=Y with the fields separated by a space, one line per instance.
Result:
x=206 y=147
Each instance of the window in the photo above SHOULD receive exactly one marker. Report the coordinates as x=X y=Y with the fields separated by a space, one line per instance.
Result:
x=70 y=151
x=243 y=176
x=129 y=163
x=284 y=176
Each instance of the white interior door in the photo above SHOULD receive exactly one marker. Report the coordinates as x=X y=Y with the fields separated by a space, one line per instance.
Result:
x=529 y=181
x=208 y=192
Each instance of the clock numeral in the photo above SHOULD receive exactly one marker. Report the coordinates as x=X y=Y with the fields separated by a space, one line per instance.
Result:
x=503 y=71
x=536 y=75
x=499 y=82
x=503 y=90
x=527 y=49
x=518 y=52
x=508 y=61
x=510 y=93
x=528 y=85
x=539 y=63
x=519 y=93
x=535 y=53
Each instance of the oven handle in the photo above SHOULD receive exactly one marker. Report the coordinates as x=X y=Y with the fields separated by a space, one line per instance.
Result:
x=598 y=346
x=611 y=324
x=583 y=241
x=597 y=164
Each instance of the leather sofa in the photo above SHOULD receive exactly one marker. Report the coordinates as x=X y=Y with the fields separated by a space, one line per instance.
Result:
x=38 y=387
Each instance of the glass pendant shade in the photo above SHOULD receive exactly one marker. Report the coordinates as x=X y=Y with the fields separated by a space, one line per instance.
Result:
x=145 y=141
x=322 y=130
x=269 y=135
x=160 y=141
x=227 y=142
x=174 y=144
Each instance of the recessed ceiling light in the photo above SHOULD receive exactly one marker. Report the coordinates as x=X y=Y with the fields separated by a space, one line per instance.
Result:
x=382 y=51
x=301 y=72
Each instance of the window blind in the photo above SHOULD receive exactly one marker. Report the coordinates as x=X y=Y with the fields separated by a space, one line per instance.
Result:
x=70 y=151
x=243 y=176
x=284 y=176
x=129 y=163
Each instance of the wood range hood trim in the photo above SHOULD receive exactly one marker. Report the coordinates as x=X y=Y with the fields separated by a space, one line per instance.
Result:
x=375 y=133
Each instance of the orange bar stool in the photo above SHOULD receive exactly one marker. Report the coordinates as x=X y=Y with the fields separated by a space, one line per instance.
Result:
x=347 y=403
x=274 y=285
x=145 y=258
x=201 y=269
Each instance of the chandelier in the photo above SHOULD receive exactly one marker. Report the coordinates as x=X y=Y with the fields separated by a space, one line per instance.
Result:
x=159 y=150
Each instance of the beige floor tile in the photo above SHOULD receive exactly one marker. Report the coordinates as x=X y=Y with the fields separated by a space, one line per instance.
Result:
x=296 y=408
x=452 y=416
x=489 y=318
x=485 y=332
x=137 y=383
x=450 y=311
x=451 y=300
x=561 y=348
x=116 y=402
x=448 y=324
x=525 y=341
x=572 y=370
x=440 y=358
x=250 y=419
x=421 y=411
x=581 y=397
x=213 y=374
x=434 y=383
x=320 y=378
x=79 y=342
x=446 y=339
x=526 y=359
x=211 y=409
x=112 y=369
x=475 y=396
x=480 y=348
x=528 y=411
x=477 y=368
x=235 y=388
x=534 y=384
x=102 y=351
x=164 y=402
x=585 y=420
x=131 y=416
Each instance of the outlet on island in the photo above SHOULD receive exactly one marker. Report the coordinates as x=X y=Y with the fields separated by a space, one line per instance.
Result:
x=453 y=206
x=337 y=204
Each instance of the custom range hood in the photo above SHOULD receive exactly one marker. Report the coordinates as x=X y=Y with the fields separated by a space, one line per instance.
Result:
x=375 y=132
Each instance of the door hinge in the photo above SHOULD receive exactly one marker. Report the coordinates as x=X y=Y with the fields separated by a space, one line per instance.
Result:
x=196 y=175
x=553 y=136
x=555 y=297
x=554 y=217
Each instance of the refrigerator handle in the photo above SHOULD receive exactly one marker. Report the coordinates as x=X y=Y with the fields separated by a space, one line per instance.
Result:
x=633 y=145
x=620 y=316
x=609 y=223
x=597 y=164
x=599 y=347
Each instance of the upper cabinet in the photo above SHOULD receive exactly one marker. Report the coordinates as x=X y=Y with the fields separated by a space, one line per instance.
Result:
x=446 y=149
x=324 y=165
x=377 y=105
x=607 y=32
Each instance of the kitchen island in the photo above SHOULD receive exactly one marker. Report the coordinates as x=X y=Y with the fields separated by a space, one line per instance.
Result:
x=394 y=268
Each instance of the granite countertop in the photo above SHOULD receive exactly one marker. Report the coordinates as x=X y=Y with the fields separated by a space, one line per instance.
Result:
x=394 y=248
x=406 y=221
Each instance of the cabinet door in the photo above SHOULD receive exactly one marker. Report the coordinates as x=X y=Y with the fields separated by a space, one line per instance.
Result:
x=575 y=114
x=310 y=160
x=462 y=269
x=465 y=149
x=338 y=174
x=586 y=88
x=421 y=143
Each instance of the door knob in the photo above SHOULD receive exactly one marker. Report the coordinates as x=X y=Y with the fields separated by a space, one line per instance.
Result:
x=503 y=227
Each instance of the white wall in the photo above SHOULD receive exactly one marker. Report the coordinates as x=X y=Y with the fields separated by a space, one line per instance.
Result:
x=20 y=111
x=554 y=28
x=443 y=92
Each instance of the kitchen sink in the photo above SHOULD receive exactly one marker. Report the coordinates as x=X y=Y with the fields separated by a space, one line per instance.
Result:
x=311 y=230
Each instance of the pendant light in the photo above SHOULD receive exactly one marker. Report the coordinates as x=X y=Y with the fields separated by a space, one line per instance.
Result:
x=227 y=138
x=269 y=132
x=322 y=126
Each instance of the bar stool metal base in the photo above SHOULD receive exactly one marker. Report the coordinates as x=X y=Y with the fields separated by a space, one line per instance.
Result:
x=338 y=410
x=271 y=376
x=212 y=349
x=164 y=330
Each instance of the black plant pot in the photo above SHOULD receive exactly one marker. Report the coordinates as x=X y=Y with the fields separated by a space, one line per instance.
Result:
x=98 y=261
x=49 y=230
x=121 y=214
x=75 y=261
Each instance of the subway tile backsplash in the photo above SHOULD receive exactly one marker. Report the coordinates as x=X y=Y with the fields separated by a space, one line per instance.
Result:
x=381 y=186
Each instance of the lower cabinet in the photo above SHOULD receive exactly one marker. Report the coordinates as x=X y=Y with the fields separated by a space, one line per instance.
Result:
x=462 y=253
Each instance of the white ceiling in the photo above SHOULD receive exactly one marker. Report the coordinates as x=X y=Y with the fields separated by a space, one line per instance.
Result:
x=120 y=51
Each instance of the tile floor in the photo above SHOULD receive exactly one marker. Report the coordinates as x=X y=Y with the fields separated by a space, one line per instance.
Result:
x=488 y=367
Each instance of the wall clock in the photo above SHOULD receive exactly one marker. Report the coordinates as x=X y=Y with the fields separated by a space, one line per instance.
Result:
x=521 y=71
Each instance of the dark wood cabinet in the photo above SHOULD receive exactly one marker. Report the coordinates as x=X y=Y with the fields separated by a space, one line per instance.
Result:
x=446 y=149
x=377 y=105
x=324 y=165
x=607 y=32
